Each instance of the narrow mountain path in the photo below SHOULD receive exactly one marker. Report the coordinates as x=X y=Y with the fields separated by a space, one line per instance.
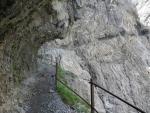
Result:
x=44 y=98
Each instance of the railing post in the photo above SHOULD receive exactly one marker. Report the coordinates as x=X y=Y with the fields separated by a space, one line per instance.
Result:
x=56 y=73
x=92 y=96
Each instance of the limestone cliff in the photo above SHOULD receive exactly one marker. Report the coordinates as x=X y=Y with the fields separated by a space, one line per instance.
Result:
x=100 y=38
x=107 y=41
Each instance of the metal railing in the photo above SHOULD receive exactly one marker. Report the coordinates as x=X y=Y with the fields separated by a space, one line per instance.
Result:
x=92 y=85
x=129 y=104
x=136 y=108
x=90 y=105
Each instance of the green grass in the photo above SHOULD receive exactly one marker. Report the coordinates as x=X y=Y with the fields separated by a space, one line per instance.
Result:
x=68 y=96
x=71 y=99
x=61 y=73
x=18 y=78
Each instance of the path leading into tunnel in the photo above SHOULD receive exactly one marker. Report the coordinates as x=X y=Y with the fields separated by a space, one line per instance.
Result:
x=44 y=98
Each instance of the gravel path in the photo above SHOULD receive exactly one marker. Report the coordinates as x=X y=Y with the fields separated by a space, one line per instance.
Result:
x=44 y=98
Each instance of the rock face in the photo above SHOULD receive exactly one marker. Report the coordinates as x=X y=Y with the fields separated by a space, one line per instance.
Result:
x=143 y=10
x=106 y=40
x=24 y=27
x=99 y=38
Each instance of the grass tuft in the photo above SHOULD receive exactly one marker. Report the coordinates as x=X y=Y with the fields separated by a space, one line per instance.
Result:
x=68 y=96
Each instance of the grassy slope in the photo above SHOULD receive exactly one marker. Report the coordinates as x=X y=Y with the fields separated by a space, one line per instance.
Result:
x=69 y=97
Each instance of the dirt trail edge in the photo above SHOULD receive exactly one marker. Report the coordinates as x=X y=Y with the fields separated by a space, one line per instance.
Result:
x=43 y=97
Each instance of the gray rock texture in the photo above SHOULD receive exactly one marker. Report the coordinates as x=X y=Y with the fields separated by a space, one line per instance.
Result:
x=106 y=40
x=143 y=10
x=100 y=38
